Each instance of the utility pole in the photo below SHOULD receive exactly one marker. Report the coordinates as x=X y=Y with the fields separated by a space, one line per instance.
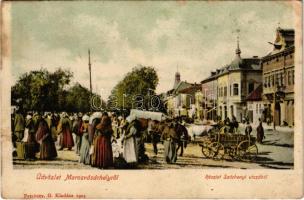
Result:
x=90 y=71
x=274 y=108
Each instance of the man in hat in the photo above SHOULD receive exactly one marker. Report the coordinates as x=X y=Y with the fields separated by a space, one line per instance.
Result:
x=19 y=124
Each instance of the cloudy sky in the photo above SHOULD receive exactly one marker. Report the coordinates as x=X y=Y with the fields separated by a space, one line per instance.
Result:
x=195 y=36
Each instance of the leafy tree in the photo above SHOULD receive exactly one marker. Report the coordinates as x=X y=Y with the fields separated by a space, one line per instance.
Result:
x=135 y=90
x=40 y=90
x=78 y=100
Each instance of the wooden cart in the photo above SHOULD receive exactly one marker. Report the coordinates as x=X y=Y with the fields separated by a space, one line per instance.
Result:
x=223 y=145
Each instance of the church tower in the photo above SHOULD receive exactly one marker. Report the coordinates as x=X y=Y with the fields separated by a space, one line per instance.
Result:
x=177 y=78
x=238 y=50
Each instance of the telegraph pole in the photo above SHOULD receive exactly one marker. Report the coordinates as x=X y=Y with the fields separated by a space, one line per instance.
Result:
x=90 y=71
x=274 y=108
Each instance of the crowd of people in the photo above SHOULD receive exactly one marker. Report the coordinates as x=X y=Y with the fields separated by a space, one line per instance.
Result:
x=102 y=140
x=231 y=126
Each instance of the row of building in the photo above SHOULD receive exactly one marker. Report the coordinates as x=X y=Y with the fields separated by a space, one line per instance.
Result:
x=247 y=88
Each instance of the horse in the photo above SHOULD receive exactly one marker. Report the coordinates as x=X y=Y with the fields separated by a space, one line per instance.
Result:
x=183 y=137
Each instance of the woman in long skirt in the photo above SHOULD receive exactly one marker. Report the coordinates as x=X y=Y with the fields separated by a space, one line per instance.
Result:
x=47 y=145
x=169 y=137
x=85 y=144
x=66 y=138
x=130 y=152
x=103 y=155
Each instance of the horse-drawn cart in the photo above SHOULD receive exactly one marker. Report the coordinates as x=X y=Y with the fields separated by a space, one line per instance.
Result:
x=224 y=145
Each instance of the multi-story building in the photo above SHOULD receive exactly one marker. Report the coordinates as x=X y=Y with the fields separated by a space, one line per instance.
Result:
x=199 y=105
x=255 y=105
x=234 y=82
x=209 y=93
x=180 y=100
x=278 y=79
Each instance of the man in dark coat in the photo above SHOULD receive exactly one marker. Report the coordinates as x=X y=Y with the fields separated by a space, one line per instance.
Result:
x=77 y=130
x=260 y=133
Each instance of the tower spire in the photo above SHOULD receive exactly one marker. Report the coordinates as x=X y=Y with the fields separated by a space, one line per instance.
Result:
x=177 y=77
x=238 y=50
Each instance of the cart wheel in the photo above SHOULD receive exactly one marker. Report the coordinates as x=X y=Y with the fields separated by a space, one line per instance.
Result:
x=217 y=150
x=247 y=152
x=206 y=150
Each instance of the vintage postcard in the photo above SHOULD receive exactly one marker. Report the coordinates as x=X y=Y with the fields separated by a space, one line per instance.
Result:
x=151 y=99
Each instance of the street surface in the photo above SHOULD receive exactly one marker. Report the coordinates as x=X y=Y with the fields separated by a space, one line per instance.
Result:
x=275 y=153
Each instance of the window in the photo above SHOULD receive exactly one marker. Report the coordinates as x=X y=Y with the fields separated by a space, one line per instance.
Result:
x=272 y=80
x=293 y=77
x=283 y=78
x=279 y=79
x=230 y=90
x=250 y=87
x=265 y=82
x=257 y=108
x=235 y=89
x=225 y=91
x=289 y=77
x=268 y=83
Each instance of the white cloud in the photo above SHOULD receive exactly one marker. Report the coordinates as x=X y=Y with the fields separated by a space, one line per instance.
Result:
x=168 y=44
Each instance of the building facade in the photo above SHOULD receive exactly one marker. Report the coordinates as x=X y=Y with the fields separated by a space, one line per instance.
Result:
x=255 y=105
x=279 y=79
x=180 y=100
x=234 y=82
x=209 y=93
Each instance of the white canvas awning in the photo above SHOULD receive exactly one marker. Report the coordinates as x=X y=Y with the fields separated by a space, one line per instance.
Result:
x=148 y=115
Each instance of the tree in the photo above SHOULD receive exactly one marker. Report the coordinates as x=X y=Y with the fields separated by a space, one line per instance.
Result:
x=135 y=90
x=40 y=90
x=78 y=99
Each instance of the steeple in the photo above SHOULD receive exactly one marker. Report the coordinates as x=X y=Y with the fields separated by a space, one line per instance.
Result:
x=238 y=50
x=177 y=78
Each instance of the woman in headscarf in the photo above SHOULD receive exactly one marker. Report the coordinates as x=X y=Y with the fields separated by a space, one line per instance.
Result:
x=93 y=121
x=64 y=129
x=169 y=137
x=103 y=155
x=44 y=138
x=130 y=151
x=85 y=144
x=32 y=144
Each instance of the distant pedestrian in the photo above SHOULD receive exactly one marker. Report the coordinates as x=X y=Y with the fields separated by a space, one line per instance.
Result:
x=248 y=129
x=260 y=133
